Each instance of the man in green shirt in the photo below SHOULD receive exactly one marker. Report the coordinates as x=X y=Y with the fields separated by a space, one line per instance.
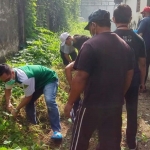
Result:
x=35 y=81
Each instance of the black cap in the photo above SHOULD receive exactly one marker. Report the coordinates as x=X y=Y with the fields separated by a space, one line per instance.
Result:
x=97 y=16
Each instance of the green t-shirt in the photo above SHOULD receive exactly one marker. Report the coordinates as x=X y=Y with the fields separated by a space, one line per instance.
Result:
x=42 y=75
x=32 y=78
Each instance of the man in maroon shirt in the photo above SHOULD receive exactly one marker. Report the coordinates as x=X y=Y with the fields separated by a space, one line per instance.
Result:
x=104 y=72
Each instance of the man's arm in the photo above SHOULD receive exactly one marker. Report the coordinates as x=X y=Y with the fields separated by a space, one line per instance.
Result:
x=128 y=80
x=68 y=72
x=78 y=85
x=23 y=103
x=142 y=27
x=9 y=106
x=142 y=67
x=67 y=57
x=29 y=89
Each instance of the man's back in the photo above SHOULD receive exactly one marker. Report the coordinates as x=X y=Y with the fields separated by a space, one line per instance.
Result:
x=67 y=49
x=42 y=75
x=144 y=28
x=137 y=44
x=105 y=57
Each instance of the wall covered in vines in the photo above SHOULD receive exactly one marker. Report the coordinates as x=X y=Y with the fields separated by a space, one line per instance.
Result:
x=52 y=14
x=8 y=28
x=19 y=20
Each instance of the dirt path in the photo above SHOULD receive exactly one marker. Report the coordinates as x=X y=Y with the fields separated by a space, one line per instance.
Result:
x=143 y=135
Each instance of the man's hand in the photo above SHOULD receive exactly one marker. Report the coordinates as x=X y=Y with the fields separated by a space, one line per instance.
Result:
x=14 y=112
x=142 y=88
x=67 y=109
x=78 y=85
x=9 y=107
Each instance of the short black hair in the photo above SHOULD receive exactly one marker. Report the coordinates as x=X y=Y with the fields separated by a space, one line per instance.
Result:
x=4 y=68
x=122 y=13
x=81 y=37
x=79 y=40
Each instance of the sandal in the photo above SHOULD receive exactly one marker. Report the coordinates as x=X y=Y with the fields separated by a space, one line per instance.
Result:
x=56 y=136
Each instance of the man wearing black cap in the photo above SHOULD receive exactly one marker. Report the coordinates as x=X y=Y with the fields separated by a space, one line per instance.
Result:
x=122 y=17
x=104 y=72
x=144 y=31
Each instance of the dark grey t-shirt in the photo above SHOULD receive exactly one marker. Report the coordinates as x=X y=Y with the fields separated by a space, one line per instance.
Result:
x=138 y=45
x=106 y=58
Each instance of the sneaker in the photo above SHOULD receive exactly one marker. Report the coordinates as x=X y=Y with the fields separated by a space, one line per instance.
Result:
x=56 y=136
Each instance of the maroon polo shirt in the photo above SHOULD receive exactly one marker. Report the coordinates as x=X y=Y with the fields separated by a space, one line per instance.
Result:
x=106 y=58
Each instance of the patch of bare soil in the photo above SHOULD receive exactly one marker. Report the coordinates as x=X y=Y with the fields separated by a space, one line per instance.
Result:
x=143 y=135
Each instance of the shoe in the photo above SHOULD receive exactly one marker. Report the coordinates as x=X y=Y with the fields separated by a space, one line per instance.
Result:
x=56 y=136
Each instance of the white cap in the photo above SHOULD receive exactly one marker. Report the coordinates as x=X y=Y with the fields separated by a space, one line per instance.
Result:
x=63 y=37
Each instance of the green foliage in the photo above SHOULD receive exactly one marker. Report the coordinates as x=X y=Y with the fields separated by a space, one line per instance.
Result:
x=12 y=134
x=78 y=28
x=42 y=49
x=143 y=138
x=55 y=15
x=30 y=17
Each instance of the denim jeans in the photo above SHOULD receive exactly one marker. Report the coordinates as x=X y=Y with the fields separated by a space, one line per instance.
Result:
x=49 y=91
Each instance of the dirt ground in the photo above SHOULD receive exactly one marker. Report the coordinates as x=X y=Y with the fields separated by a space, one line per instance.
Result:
x=143 y=135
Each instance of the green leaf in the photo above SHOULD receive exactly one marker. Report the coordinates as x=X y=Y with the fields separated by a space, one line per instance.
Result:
x=7 y=142
x=6 y=113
